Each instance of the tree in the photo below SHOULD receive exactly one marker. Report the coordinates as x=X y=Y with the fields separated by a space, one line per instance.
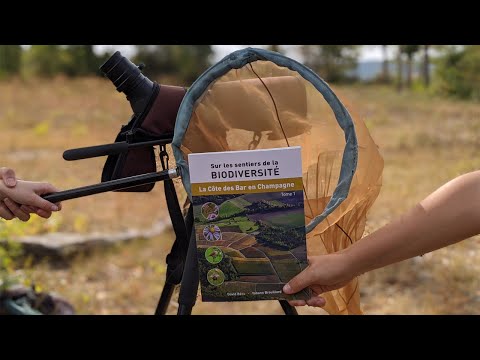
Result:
x=399 y=68
x=186 y=62
x=332 y=62
x=457 y=72
x=410 y=51
x=43 y=60
x=157 y=58
x=385 y=70
x=276 y=48
x=10 y=59
x=79 y=60
x=426 y=65
x=191 y=60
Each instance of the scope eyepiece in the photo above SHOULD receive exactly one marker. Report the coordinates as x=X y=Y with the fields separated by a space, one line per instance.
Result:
x=128 y=79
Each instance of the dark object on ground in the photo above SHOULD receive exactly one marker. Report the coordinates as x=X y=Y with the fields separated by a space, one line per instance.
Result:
x=20 y=300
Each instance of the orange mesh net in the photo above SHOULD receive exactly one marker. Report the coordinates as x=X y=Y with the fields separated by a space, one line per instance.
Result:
x=262 y=105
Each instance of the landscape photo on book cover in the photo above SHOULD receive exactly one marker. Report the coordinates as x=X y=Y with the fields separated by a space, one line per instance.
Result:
x=249 y=245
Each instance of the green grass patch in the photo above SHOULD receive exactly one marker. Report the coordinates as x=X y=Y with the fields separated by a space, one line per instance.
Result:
x=253 y=266
x=243 y=223
x=286 y=269
x=291 y=220
x=240 y=202
x=229 y=209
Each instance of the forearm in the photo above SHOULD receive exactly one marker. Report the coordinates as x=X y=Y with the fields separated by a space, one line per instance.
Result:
x=449 y=215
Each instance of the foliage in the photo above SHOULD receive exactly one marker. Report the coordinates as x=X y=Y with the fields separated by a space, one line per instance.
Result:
x=79 y=60
x=458 y=73
x=409 y=50
x=225 y=265
x=333 y=63
x=11 y=252
x=10 y=59
x=42 y=60
x=186 y=62
x=279 y=237
x=70 y=60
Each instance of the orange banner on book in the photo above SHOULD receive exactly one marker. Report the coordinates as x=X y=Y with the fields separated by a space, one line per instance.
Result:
x=247 y=187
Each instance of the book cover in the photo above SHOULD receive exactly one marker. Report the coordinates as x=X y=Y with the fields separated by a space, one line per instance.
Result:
x=249 y=223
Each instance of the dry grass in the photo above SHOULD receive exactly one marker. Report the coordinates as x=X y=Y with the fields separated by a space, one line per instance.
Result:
x=425 y=142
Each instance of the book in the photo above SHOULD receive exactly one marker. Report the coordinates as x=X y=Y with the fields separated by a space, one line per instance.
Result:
x=249 y=223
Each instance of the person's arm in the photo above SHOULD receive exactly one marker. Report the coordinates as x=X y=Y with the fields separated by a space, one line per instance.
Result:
x=25 y=198
x=447 y=216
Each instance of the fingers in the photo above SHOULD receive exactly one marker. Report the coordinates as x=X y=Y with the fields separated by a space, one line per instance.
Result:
x=8 y=176
x=39 y=202
x=34 y=210
x=28 y=209
x=5 y=213
x=43 y=213
x=297 y=302
x=16 y=210
x=315 y=301
x=299 y=282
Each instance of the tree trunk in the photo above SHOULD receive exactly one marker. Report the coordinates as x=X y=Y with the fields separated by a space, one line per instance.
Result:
x=275 y=48
x=399 y=70
x=385 y=70
x=426 y=65
x=409 y=70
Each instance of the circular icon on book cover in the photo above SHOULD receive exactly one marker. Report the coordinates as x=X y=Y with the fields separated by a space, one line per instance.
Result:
x=214 y=255
x=212 y=233
x=215 y=277
x=210 y=211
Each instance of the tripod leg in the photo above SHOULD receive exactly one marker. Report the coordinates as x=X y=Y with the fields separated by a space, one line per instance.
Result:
x=178 y=253
x=190 y=280
x=287 y=308
x=165 y=298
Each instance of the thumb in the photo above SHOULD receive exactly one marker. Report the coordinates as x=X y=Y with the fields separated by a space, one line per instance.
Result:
x=8 y=176
x=300 y=282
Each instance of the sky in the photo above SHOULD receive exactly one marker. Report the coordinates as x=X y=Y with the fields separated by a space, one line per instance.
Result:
x=368 y=52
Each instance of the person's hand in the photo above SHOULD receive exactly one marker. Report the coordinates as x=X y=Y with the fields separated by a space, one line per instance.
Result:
x=8 y=176
x=24 y=199
x=324 y=273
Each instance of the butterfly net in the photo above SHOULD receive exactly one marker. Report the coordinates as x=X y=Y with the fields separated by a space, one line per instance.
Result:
x=262 y=105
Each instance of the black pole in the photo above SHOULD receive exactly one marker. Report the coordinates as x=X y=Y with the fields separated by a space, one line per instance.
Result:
x=177 y=256
x=164 y=301
x=109 y=149
x=112 y=185
x=190 y=280
x=287 y=308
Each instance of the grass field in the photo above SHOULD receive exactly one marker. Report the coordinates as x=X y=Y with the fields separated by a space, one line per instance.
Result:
x=287 y=218
x=228 y=209
x=425 y=142
x=253 y=266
